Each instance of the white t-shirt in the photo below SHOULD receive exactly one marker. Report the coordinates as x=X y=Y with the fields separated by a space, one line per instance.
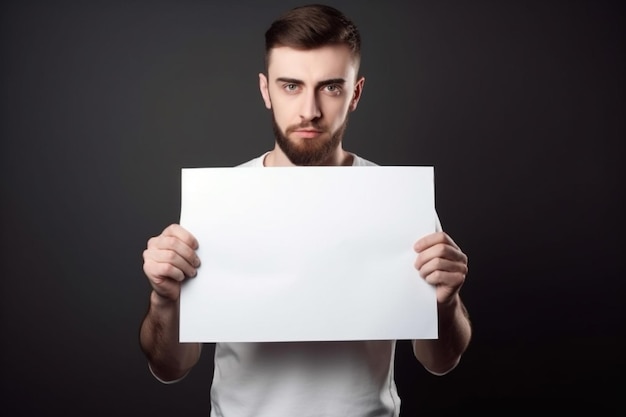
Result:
x=305 y=379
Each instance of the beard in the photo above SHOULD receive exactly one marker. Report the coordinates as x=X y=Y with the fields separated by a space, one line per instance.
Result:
x=308 y=152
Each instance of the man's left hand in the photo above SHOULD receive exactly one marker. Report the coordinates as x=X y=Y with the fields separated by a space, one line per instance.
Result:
x=441 y=263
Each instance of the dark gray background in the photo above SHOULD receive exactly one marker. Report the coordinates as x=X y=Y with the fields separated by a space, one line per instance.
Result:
x=520 y=106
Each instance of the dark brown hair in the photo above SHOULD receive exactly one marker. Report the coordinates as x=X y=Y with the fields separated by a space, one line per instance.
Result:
x=313 y=26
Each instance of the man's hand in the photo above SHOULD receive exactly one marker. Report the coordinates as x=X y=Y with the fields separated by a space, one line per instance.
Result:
x=441 y=263
x=170 y=258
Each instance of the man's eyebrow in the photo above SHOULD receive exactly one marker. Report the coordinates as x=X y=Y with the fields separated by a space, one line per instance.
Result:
x=320 y=84
x=324 y=83
x=289 y=80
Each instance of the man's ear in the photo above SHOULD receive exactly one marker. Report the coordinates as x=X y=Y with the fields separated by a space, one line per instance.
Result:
x=358 y=90
x=265 y=93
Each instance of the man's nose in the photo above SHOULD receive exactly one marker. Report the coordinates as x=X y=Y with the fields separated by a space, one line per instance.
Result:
x=310 y=109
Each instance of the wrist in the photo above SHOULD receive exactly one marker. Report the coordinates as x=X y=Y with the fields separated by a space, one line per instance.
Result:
x=448 y=308
x=158 y=301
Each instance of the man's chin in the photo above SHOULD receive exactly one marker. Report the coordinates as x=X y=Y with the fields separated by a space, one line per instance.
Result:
x=306 y=158
x=318 y=150
x=305 y=142
x=306 y=151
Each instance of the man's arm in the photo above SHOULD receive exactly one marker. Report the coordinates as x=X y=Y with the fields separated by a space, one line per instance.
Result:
x=442 y=355
x=168 y=260
x=442 y=264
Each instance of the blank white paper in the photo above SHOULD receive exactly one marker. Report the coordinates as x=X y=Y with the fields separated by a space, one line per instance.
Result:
x=307 y=254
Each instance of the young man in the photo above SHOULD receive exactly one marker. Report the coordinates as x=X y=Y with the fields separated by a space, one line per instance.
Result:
x=312 y=84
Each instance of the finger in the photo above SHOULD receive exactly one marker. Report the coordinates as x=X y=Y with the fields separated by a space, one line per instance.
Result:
x=441 y=264
x=443 y=251
x=432 y=240
x=174 y=244
x=168 y=256
x=159 y=271
x=182 y=234
x=167 y=288
x=452 y=280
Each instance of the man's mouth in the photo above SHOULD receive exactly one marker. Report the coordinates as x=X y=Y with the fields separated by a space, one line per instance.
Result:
x=308 y=133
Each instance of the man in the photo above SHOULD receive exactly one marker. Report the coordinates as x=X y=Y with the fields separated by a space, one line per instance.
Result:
x=312 y=84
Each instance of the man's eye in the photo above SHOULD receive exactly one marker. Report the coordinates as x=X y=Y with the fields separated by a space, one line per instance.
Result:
x=290 y=87
x=333 y=89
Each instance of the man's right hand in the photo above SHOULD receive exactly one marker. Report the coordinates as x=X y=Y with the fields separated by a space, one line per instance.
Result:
x=170 y=258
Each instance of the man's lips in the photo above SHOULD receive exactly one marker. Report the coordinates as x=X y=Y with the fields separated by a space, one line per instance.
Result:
x=307 y=133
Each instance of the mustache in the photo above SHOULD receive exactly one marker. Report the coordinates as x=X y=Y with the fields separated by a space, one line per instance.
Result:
x=307 y=125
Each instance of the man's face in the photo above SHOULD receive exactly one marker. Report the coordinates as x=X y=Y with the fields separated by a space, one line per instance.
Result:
x=310 y=93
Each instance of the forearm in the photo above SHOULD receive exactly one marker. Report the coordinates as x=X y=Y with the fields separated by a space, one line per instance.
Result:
x=442 y=354
x=169 y=359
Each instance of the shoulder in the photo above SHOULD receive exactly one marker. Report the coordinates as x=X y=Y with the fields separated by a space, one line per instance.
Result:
x=256 y=162
x=361 y=162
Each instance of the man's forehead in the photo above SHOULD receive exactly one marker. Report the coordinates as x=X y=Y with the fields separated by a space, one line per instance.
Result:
x=334 y=61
